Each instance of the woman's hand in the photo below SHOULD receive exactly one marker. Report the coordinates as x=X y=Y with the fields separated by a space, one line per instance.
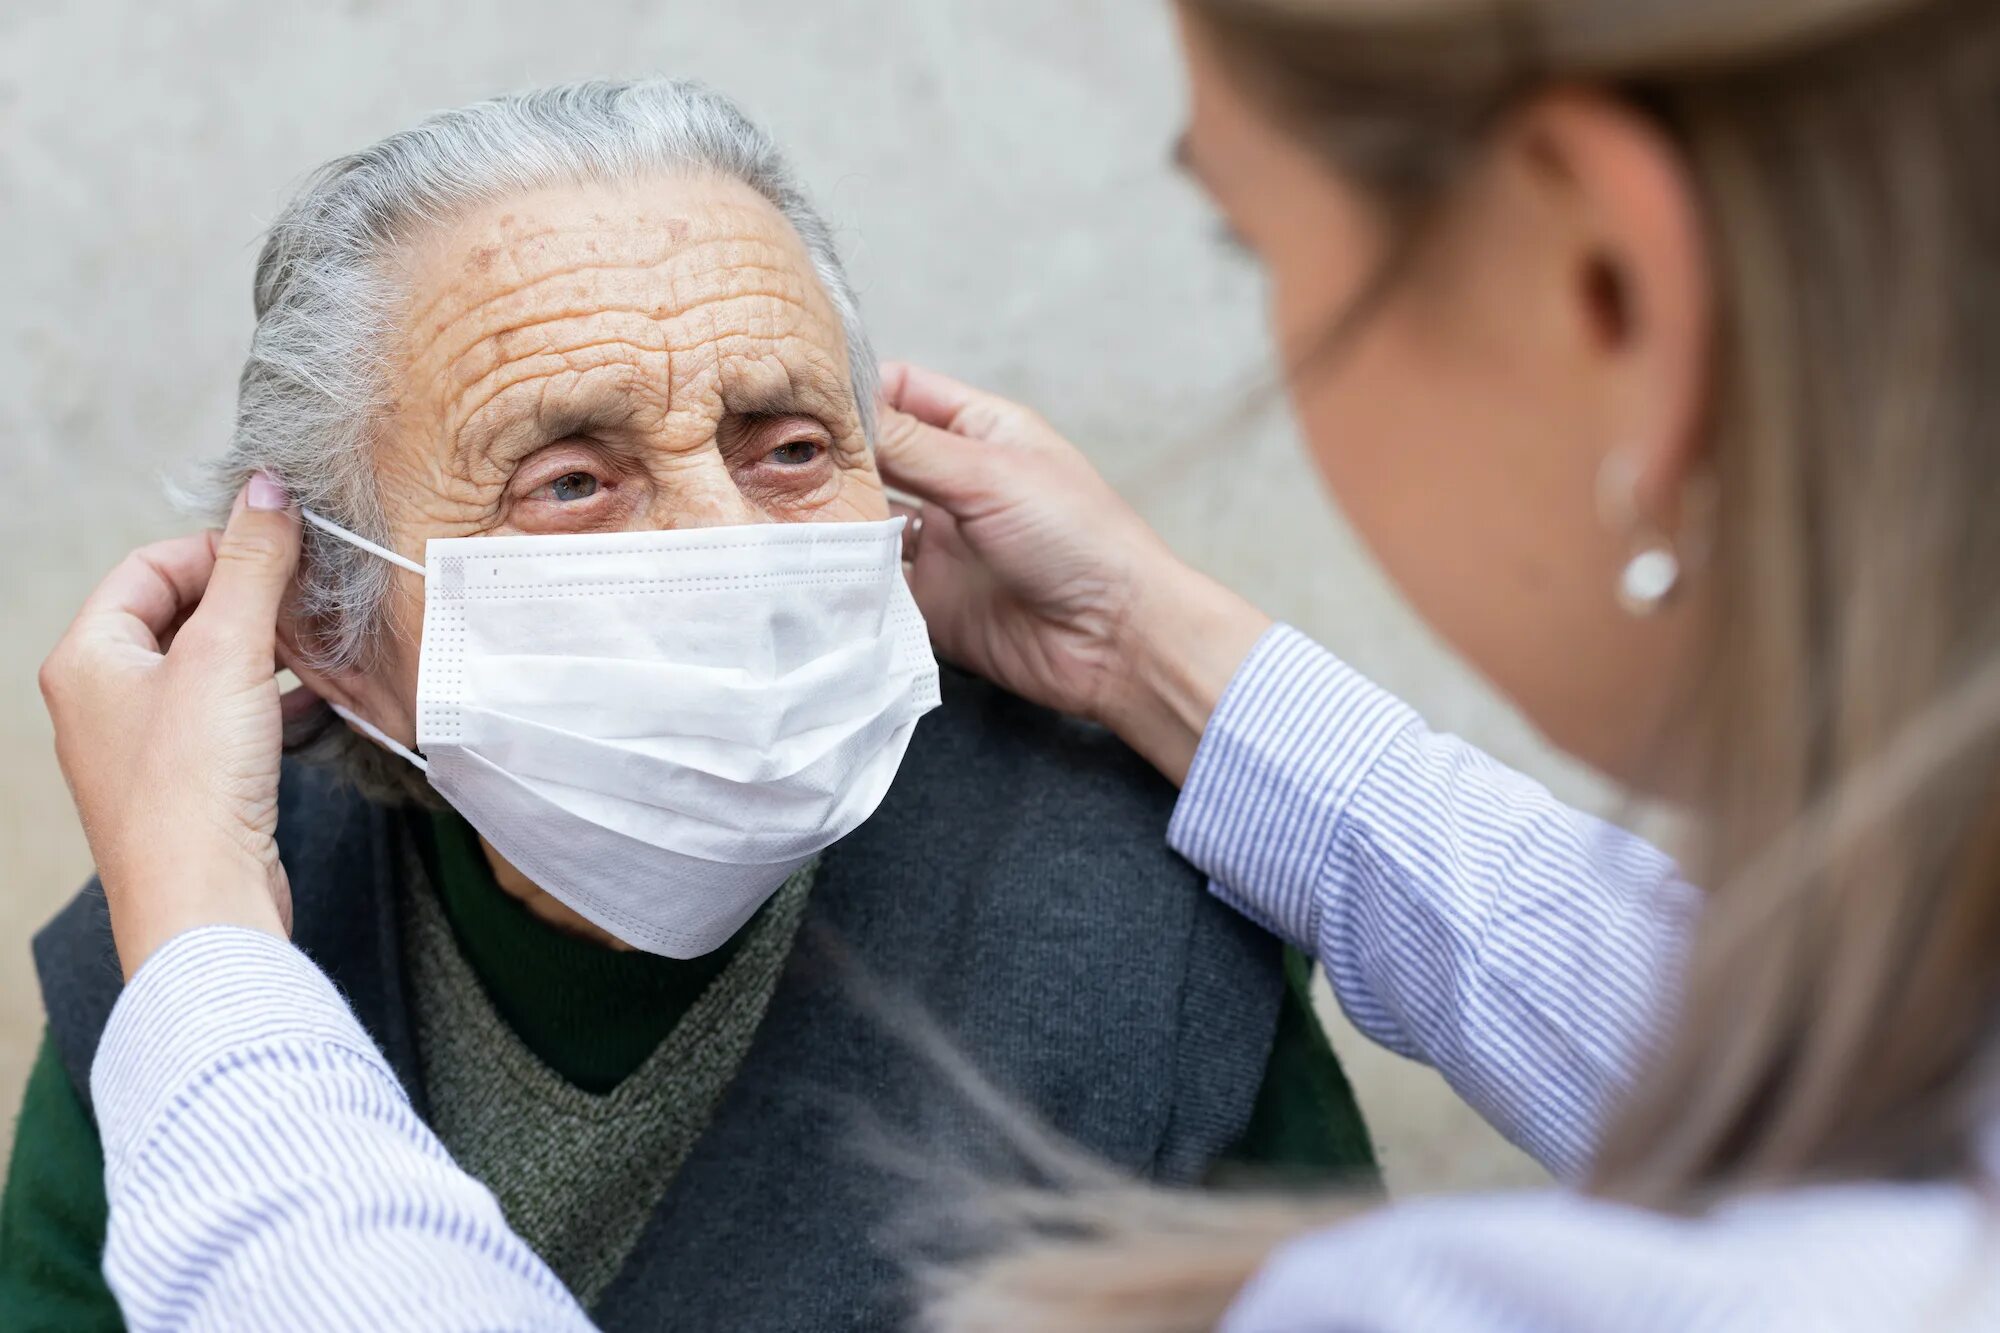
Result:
x=168 y=725
x=1034 y=573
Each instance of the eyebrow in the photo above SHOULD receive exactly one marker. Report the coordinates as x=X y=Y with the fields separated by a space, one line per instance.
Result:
x=519 y=431
x=808 y=390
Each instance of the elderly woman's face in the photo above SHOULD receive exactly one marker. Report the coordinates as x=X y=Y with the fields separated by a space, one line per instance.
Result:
x=606 y=359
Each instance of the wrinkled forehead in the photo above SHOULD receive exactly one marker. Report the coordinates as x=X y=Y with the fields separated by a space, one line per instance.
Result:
x=648 y=305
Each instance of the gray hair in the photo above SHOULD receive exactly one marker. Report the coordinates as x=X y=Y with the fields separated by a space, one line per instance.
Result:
x=315 y=379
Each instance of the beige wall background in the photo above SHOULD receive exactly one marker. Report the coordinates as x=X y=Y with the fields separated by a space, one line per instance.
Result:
x=997 y=170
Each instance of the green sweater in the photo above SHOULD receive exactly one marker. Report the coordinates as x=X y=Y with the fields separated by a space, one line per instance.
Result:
x=592 y=1015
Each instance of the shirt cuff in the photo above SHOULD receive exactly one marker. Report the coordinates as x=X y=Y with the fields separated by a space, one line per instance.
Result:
x=209 y=999
x=1291 y=741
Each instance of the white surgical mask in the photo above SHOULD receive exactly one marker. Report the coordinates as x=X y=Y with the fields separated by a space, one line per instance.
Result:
x=658 y=728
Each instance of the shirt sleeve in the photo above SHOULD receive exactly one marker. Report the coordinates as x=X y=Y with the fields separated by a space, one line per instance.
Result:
x=1466 y=917
x=1832 y=1259
x=265 y=1170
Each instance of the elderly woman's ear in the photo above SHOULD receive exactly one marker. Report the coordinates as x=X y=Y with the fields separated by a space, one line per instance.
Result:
x=360 y=691
x=306 y=702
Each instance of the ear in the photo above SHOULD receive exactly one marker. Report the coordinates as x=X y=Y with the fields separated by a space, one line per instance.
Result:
x=1637 y=281
x=359 y=692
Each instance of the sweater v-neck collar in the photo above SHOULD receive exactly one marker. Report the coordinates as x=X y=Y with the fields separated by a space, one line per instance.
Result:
x=590 y=1013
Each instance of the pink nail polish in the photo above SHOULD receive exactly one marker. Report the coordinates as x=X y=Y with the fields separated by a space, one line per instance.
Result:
x=265 y=493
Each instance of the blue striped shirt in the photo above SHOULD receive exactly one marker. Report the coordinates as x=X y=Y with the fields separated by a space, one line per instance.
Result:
x=265 y=1169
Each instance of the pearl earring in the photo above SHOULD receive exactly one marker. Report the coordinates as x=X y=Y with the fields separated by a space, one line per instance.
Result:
x=1649 y=578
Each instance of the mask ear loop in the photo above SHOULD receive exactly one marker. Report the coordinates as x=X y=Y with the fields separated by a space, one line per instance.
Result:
x=356 y=539
x=381 y=738
x=362 y=724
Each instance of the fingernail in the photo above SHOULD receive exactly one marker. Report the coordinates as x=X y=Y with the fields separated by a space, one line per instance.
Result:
x=265 y=493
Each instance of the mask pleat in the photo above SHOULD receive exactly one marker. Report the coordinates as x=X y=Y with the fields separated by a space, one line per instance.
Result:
x=727 y=823
x=658 y=728
x=636 y=700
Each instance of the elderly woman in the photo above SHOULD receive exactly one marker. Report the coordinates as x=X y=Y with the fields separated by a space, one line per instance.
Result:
x=603 y=314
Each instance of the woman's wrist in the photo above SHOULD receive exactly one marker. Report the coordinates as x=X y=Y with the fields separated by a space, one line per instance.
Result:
x=175 y=899
x=1183 y=643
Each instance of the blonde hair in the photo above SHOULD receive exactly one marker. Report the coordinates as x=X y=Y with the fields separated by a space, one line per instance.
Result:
x=1838 y=1019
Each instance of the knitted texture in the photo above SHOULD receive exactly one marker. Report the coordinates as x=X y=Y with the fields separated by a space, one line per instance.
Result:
x=576 y=1173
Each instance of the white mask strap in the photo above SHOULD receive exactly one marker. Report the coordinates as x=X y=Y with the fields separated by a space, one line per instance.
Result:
x=362 y=724
x=376 y=734
x=356 y=539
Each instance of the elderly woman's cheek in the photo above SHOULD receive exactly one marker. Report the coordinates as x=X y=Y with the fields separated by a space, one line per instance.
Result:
x=862 y=489
x=868 y=500
x=856 y=494
x=784 y=497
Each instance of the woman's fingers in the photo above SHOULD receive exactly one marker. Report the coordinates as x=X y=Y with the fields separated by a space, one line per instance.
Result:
x=937 y=437
x=941 y=551
x=147 y=595
x=934 y=399
x=174 y=760
x=950 y=405
x=931 y=464
x=254 y=560
x=952 y=444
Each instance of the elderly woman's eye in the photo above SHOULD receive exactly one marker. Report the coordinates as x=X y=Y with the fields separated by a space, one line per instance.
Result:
x=573 y=486
x=797 y=453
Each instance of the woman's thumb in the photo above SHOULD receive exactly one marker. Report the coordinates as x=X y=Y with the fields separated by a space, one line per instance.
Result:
x=255 y=557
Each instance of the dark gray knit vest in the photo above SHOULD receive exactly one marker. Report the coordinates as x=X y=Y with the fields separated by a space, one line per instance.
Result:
x=1015 y=888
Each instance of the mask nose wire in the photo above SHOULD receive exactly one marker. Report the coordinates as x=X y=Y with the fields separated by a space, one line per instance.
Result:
x=362 y=724
x=333 y=529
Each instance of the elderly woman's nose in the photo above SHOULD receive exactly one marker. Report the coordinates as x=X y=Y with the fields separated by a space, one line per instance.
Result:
x=712 y=500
